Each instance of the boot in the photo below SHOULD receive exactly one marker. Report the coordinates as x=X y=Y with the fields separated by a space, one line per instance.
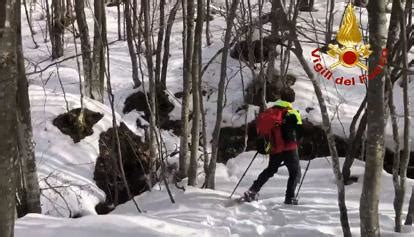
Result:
x=291 y=201
x=250 y=195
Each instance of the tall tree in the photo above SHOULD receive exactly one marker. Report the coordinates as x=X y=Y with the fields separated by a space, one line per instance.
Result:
x=8 y=119
x=130 y=40
x=57 y=29
x=196 y=77
x=210 y=176
x=99 y=44
x=146 y=8
x=160 y=40
x=188 y=6
x=85 y=46
x=276 y=22
x=165 y=56
x=326 y=121
x=375 y=108
x=31 y=190
x=400 y=192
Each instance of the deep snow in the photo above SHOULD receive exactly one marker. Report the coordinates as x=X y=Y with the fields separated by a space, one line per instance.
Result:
x=69 y=167
x=201 y=212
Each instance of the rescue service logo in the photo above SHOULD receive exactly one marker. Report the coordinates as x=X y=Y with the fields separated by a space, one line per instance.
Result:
x=349 y=53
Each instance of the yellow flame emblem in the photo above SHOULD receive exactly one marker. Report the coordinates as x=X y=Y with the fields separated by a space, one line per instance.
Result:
x=350 y=38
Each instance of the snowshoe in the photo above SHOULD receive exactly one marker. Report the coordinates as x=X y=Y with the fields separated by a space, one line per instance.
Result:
x=291 y=201
x=250 y=196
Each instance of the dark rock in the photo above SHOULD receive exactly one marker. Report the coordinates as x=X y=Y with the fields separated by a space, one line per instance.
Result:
x=309 y=109
x=231 y=142
x=138 y=102
x=179 y=95
x=209 y=18
x=69 y=123
x=254 y=91
x=136 y=162
x=388 y=162
x=241 y=50
x=314 y=142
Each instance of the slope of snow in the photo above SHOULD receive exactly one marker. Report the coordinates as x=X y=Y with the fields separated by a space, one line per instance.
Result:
x=201 y=212
x=68 y=167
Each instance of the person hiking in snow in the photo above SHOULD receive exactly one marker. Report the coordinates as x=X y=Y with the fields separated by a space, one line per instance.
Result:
x=284 y=148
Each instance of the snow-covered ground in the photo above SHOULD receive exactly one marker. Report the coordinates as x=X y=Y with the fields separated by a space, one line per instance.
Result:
x=69 y=167
x=201 y=212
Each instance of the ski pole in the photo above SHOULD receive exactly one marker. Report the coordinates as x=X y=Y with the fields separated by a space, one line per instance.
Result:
x=303 y=178
x=307 y=167
x=251 y=162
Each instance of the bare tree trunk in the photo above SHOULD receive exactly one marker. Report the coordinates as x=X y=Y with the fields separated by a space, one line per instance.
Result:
x=49 y=21
x=188 y=48
x=135 y=24
x=196 y=77
x=166 y=55
x=354 y=140
x=57 y=29
x=29 y=23
x=407 y=120
x=160 y=40
x=392 y=39
x=85 y=46
x=210 y=176
x=99 y=42
x=298 y=51
x=118 y=8
x=331 y=141
x=375 y=109
x=152 y=85
x=8 y=119
x=276 y=7
x=410 y=214
x=25 y=134
x=116 y=142
x=396 y=158
x=329 y=20
x=130 y=40
x=208 y=15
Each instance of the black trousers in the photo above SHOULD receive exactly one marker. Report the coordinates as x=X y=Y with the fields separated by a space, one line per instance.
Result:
x=291 y=160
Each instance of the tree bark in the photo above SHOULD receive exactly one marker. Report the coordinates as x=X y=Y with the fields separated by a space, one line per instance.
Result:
x=160 y=40
x=85 y=46
x=210 y=176
x=152 y=85
x=375 y=141
x=208 y=15
x=25 y=133
x=276 y=7
x=185 y=111
x=99 y=44
x=354 y=140
x=57 y=29
x=8 y=119
x=407 y=119
x=166 y=54
x=130 y=41
x=196 y=76
x=396 y=159
x=410 y=214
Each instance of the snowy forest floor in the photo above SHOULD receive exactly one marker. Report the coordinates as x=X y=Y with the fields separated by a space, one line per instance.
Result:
x=201 y=212
x=66 y=169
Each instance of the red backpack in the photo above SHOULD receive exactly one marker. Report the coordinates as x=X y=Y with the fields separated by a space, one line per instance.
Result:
x=269 y=129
